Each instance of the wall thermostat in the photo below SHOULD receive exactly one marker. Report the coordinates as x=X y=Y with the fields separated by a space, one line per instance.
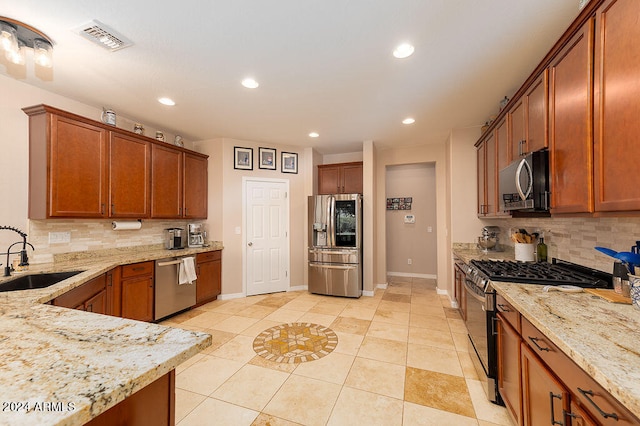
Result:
x=409 y=218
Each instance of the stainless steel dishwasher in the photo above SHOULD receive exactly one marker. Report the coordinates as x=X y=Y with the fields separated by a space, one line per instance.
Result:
x=170 y=296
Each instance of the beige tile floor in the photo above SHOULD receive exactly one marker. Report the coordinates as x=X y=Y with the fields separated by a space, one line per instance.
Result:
x=401 y=359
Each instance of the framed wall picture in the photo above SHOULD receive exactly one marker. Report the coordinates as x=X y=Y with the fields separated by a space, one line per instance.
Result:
x=267 y=157
x=289 y=163
x=242 y=158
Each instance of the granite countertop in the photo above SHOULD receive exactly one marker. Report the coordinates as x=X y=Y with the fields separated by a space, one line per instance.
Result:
x=602 y=338
x=81 y=363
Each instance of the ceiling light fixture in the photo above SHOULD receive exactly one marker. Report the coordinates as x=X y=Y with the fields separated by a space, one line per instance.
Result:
x=166 y=101
x=250 y=83
x=16 y=37
x=403 y=51
x=314 y=135
x=408 y=120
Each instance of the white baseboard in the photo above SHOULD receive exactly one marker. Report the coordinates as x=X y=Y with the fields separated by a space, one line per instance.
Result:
x=410 y=275
x=231 y=296
x=382 y=286
x=368 y=293
x=298 y=288
x=440 y=291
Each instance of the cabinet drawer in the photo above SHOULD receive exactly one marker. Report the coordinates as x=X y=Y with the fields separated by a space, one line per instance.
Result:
x=582 y=387
x=135 y=269
x=209 y=256
x=508 y=312
x=77 y=296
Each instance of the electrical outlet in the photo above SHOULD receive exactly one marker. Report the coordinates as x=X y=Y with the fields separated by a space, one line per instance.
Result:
x=409 y=261
x=429 y=229
x=59 y=237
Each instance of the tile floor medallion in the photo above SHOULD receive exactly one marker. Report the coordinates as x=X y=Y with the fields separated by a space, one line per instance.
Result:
x=296 y=342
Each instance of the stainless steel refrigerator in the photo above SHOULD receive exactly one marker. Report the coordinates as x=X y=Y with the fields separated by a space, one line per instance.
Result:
x=335 y=244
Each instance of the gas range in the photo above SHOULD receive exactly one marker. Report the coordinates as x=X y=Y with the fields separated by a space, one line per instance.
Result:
x=480 y=272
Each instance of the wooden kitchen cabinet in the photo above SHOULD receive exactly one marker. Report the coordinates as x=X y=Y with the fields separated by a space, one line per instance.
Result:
x=502 y=144
x=81 y=168
x=129 y=176
x=137 y=286
x=67 y=166
x=570 y=140
x=517 y=136
x=616 y=106
x=90 y=296
x=209 y=272
x=459 y=292
x=528 y=120
x=545 y=399
x=152 y=405
x=550 y=382
x=340 y=178
x=166 y=182
x=194 y=186
x=509 y=367
x=488 y=173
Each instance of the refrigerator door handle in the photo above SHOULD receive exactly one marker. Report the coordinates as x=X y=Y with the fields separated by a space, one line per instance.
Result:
x=329 y=266
x=331 y=237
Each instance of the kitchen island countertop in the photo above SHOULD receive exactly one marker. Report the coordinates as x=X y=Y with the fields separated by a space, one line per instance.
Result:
x=62 y=366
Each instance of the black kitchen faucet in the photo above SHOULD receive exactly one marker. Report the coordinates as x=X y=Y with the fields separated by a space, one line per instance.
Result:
x=24 y=259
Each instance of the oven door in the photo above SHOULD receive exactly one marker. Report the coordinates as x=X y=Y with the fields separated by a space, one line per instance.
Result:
x=482 y=341
x=476 y=323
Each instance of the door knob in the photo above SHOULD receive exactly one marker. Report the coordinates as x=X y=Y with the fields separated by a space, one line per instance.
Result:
x=250 y=244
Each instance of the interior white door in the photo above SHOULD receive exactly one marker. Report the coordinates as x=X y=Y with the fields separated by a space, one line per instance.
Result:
x=267 y=236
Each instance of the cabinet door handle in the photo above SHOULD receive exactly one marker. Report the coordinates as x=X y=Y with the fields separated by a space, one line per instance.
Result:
x=534 y=340
x=102 y=208
x=553 y=420
x=90 y=308
x=186 y=211
x=503 y=308
x=588 y=394
x=113 y=209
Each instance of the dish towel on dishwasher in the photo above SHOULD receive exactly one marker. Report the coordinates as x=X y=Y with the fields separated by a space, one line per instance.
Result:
x=186 y=271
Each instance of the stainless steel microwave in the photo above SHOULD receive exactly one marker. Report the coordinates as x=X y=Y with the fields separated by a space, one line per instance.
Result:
x=524 y=184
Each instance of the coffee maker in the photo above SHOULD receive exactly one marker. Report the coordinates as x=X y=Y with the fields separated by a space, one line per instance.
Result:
x=196 y=235
x=174 y=238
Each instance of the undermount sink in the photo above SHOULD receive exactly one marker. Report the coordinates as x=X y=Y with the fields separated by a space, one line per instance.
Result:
x=33 y=281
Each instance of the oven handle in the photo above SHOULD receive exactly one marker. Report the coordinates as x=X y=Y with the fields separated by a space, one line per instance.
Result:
x=473 y=294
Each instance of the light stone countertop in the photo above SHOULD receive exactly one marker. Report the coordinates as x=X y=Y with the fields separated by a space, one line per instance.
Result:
x=82 y=362
x=602 y=338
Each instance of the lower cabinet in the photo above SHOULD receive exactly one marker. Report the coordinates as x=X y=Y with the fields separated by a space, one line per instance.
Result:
x=151 y=405
x=509 y=382
x=553 y=389
x=209 y=269
x=545 y=399
x=90 y=296
x=136 y=283
x=460 y=294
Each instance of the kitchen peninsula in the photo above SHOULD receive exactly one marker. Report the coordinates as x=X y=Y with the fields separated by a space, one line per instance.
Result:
x=67 y=367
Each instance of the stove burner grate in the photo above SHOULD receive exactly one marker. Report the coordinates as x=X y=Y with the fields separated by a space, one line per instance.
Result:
x=541 y=273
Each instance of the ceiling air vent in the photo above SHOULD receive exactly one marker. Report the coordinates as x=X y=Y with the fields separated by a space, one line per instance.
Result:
x=102 y=35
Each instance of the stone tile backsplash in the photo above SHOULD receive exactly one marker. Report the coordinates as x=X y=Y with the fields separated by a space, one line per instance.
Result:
x=92 y=235
x=574 y=239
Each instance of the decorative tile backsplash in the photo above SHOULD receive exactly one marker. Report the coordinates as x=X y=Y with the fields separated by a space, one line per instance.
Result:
x=574 y=239
x=92 y=235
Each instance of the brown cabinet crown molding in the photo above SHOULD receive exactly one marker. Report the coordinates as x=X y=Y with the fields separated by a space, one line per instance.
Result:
x=43 y=108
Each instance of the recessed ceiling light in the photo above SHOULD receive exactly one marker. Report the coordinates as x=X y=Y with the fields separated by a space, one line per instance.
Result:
x=408 y=120
x=403 y=51
x=166 y=101
x=250 y=83
x=314 y=135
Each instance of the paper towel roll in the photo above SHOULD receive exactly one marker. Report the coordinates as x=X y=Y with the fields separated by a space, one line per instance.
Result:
x=119 y=225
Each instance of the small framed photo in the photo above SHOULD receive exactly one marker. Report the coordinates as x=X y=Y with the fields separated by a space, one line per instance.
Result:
x=267 y=158
x=242 y=158
x=289 y=162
